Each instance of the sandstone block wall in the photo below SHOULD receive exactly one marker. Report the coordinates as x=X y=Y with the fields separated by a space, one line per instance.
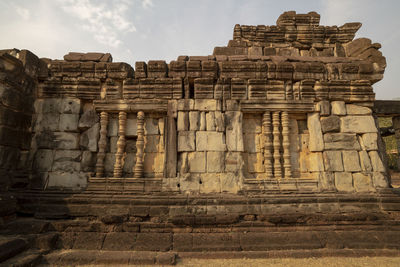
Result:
x=280 y=107
x=18 y=79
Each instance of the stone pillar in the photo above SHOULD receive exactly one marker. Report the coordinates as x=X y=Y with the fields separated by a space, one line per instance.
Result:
x=118 y=166
x=102 y=144
x=138 y=169
x=266 y=124
x=396 y=127
x=277 y=144
x=286 y=145
x=171 y=143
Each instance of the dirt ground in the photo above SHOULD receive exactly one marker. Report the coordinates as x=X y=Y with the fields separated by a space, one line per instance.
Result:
x=308 y=262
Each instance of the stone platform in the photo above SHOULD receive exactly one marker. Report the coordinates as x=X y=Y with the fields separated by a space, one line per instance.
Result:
x=100 y=227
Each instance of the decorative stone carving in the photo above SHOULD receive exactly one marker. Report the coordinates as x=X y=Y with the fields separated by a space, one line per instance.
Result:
x=138 y=170
x=277 y=144
x=266 y=124
x=286 y=144
x=102 y=144
x=119 y=162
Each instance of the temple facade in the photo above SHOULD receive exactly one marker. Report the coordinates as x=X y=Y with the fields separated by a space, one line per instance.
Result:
x=285 y=107
x=269 y=147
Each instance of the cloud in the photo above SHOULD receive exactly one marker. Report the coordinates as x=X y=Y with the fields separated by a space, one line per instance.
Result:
x=147 y=3
x=105 y=20
x=23 y=12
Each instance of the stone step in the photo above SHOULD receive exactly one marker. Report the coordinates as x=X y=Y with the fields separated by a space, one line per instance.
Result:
x=101 y=257
x=11 y=246
x=231 y=241
x=26 y=258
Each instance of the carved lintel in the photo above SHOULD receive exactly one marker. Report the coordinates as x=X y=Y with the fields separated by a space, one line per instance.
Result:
x=286 y=145
x=277 y=145
x=138 y=169
x=119 y=162
x=102 y=144
x=266 y=126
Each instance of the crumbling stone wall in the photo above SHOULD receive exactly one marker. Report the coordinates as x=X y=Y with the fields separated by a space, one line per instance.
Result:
x=285 y=107
x=18 y=80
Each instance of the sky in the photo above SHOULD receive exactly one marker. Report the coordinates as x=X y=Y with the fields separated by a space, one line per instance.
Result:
x=142 y=30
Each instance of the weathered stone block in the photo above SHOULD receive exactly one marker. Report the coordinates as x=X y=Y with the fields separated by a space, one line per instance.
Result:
x=362 y=182
x=109 y=162
x=316 y=142
x=185 y=104
x=210 y=141
x=183 y=121
x=88 y=162
x=338 y=108
x=234 y=131
x=188 y=184
x=151 y=126
x=161 y=125
x=358 y=124
x=152 y=143
x=380 y=180
x=330 y=124
x=67 y=179
x=113 y=144
x=65 y=140
x=70 y=105
x=210 y=121
x=210 y=183
x=43 y=160
x=186 y=141
x=215 y=161
x=351 y=162
x=194 y=120
x=324 y=108
x=344 y=181
x=67 y=160
x=153 y=162
x=341 y=141
x=219 y=121
x=370 y=141
x=112 y=129
x=255 y=51
x=333 y=160
x=365 y=162
x=88 y=119
x=129 y=163
x=327 y=181
x=357 y=110
x=202 y=121
x=89 y=139
x=252 y=125
x=230 y=182
x=254 y=162
x=48 y=105
x=47 y=122
x=68 y=122
x=316 y=162
x=376 y=161
x=233 y=162
x=183 y=164
x=207 y=104
x=131 y=127
x=197 y=161
x=252 y=143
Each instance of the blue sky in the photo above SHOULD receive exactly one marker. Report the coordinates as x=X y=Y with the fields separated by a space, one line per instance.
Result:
x=141 y=30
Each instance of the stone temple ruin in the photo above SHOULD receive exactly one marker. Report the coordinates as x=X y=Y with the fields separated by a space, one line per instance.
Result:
x=270 y=144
